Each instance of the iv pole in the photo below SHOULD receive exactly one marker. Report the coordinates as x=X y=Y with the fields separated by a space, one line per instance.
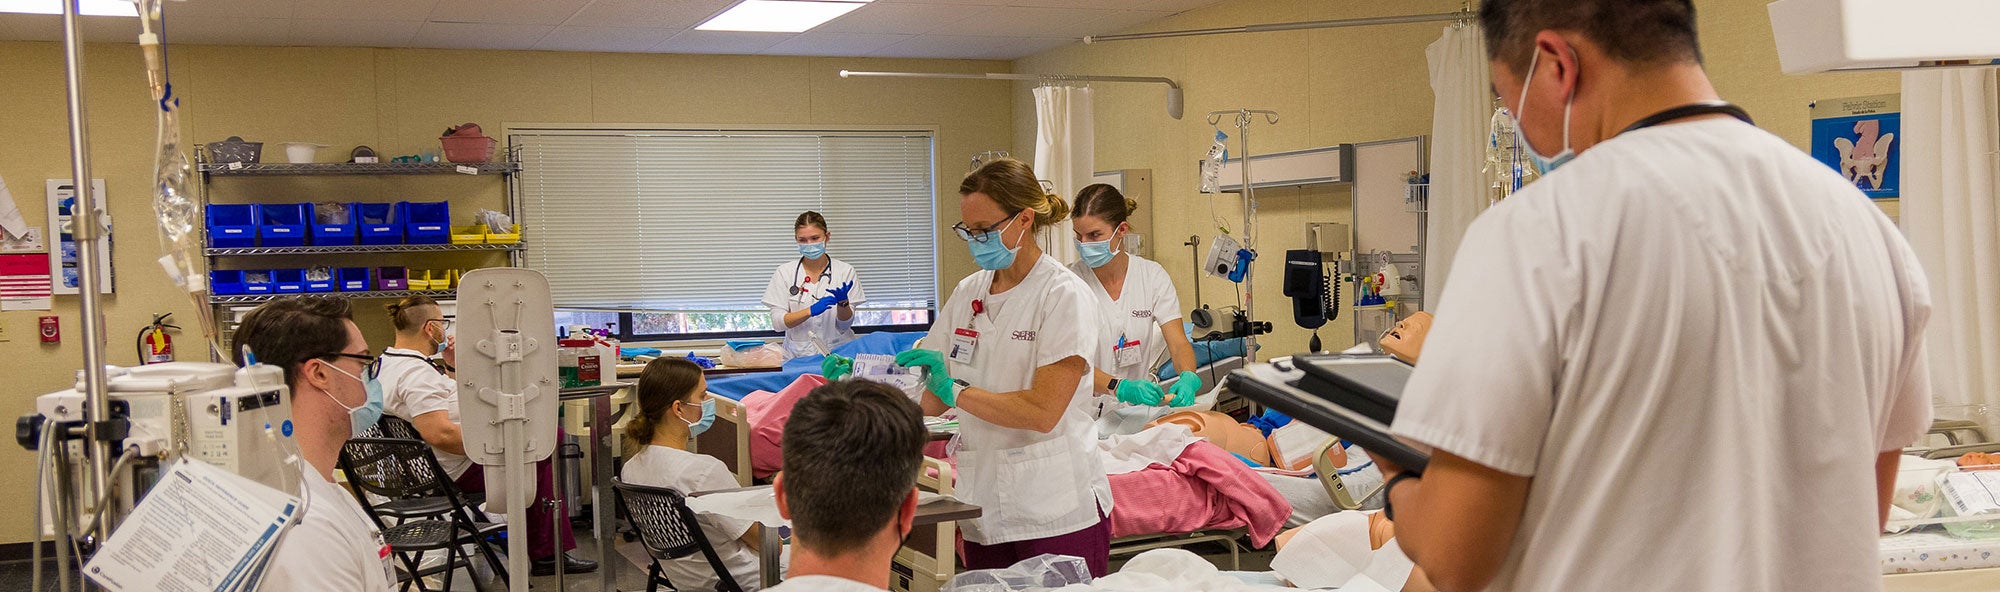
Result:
x=84 y=227
x=1243 y=121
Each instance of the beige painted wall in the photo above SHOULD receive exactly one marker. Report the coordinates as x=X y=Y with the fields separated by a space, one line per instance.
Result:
x=1334 y=86
x=397 y=101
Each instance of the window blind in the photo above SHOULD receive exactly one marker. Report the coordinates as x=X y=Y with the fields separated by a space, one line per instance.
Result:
x=698 y=221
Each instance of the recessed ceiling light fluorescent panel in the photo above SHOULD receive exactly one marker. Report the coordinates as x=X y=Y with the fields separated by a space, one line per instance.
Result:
x=778 y=16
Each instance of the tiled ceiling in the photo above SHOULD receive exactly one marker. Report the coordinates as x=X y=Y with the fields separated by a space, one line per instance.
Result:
x=968 y=29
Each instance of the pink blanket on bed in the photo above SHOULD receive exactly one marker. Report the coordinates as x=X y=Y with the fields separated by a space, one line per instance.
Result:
x=767 y=412
x=1205 y=489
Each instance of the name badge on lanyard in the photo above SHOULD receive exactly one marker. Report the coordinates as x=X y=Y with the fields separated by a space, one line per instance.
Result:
x=1126 y=352
x=964 y=342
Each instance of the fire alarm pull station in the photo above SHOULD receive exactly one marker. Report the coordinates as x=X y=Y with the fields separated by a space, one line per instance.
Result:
x=51 y=330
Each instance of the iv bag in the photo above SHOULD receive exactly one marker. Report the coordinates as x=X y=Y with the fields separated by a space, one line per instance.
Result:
x=1211 y=167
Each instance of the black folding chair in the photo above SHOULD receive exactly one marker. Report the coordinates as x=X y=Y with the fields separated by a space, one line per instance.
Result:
x=429 y=512
x=668 y=530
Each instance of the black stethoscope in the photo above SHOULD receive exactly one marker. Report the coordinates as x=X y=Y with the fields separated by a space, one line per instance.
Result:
x=1691 y=110
x=824 y=274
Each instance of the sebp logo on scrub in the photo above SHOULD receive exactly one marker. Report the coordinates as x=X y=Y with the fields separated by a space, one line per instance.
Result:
x=1024 y=336
x=1142 y=314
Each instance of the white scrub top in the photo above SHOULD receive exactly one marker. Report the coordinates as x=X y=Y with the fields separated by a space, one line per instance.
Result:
x=411 y=387
x=1032 y=485
x=1696 y=339
x=1147 y=301
x=819 y=334
x=334 y=546
x=687 y=472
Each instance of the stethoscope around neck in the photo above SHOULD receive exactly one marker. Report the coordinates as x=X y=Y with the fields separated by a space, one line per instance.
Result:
x=798 y=274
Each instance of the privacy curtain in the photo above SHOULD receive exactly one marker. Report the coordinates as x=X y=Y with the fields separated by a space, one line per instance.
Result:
x=1064 y=146
x=1951 y=163
x=1462 y=109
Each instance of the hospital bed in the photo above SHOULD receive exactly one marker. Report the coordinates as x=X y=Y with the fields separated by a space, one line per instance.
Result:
x=729 y=439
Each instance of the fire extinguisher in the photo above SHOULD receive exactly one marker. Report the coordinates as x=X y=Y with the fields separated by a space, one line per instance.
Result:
x=155 y=345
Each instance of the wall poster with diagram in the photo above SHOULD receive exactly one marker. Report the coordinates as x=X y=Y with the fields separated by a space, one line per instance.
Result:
x=63 y=261
x=1858 y=137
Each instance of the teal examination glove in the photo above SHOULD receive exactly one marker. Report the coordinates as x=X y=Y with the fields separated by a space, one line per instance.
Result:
x=1186 y=388
x=936 y=373
x=836 y=367
x=1139 y=392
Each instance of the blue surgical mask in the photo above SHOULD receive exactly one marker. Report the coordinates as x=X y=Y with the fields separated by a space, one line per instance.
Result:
x=695 y=428
x=1095 y=254
x=812 y=250
x=359 y=419
x=992 y=253
x=1546 y=164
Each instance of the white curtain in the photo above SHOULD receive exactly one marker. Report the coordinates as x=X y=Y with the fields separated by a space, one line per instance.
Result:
x=1951 y=164
x=1064 y=147
x=1463 y=106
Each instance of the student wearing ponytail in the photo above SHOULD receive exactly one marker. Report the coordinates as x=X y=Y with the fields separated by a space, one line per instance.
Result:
x=1012 y=349
x=673 y=409
x=1140 y=314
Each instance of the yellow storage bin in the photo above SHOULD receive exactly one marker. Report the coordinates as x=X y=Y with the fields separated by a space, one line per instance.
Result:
x=444 y=279
x=505 y=238
x=419 y=280
x=468 y=235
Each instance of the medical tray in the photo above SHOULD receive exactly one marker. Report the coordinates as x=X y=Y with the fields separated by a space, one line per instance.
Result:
x=1321 y=403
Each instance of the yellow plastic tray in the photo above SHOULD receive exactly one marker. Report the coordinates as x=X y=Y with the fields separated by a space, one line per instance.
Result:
x=505 y=238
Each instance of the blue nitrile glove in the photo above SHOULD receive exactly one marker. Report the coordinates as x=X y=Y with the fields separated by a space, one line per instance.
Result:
x=1186 y=388
x=705 y=363
x=836 y=366
x=820 y=307
x=936 y=373
x=841 y=292
x=1139 y=392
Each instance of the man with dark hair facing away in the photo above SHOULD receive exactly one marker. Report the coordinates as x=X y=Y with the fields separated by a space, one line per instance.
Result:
x=852 y=452
x=1686 y=360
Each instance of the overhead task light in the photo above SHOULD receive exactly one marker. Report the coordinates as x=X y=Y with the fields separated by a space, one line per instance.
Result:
x=85 y=7
x=777 y=16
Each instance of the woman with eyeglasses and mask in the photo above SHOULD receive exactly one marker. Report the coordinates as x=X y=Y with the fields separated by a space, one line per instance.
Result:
x=1140 y=312
x=812 y=299
x=1012 y=350
x=673 y=409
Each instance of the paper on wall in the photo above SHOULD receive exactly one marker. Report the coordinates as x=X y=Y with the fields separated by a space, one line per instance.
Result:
x=11 y=219
x=200 y=528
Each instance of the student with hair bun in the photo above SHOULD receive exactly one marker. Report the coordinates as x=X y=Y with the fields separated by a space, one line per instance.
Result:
x=1140 y=314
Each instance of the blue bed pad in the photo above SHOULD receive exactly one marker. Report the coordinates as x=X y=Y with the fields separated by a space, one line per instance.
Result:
x=881 y=342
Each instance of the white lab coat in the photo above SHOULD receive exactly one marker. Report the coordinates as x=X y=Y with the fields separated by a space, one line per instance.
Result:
x=1032 y=485
x=1130 y=338
x=411 y=387
x=1696 y=339
x=334 y=546
x=821 y=333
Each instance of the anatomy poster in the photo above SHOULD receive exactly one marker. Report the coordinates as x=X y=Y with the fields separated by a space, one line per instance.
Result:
x=1858 y=137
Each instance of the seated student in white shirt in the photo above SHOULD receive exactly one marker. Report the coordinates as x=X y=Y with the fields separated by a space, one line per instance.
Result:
x=672 y=411
x=852 y=452
x=334 y=546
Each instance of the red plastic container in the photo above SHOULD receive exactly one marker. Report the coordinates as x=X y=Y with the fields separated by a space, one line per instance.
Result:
x=468 y=148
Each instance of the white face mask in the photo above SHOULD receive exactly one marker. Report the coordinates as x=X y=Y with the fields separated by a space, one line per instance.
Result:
x=1547 y=164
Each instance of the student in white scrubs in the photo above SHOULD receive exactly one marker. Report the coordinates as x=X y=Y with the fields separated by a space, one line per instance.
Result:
x=673 y=409
x=335 y=396
x=812 y=299
x=1139 y=315
x=1688 y=359
x=416 y=381
x=1012 y=350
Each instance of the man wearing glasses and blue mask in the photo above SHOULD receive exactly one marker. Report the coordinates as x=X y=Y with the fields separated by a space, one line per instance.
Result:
x=1684 y=305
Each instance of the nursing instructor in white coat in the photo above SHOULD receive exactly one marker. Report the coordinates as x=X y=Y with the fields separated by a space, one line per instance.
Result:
x=812 y=299
x=1013 y=349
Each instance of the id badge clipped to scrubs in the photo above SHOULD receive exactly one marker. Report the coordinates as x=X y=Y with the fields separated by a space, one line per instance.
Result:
x=1126 y=353
x=964 y=342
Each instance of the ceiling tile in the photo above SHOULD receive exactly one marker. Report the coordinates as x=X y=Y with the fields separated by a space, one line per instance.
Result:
x=958 y=2
x=835 y=44
x=1028 y=22
x=479 y=36
x=228 y=8
x=619 y=39
x=1118 y=22
x=48 y=27
x=966 y=47
x=662 y=14
x=736 y=42
x=901 y=19
x=379 y=10
x=227 y=30
x=513 y=12
x=352 y=33
x=1151 y=5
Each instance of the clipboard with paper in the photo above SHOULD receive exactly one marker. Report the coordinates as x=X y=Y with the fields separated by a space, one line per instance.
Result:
x=1353 y=397
x=200 y=528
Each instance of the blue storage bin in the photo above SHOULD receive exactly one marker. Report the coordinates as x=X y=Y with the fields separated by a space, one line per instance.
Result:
x=324 y=234
x=259 y=281
x=426 y=223
x=319 y=285
x=381 y=224
x=283 y=225
x=288 y=281
x=232 y=226
x=353 y=279
x=225 y=282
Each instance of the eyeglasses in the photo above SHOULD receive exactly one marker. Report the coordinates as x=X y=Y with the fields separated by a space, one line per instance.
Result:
x=371 y=365
x=448 y=323
x=980 y=234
